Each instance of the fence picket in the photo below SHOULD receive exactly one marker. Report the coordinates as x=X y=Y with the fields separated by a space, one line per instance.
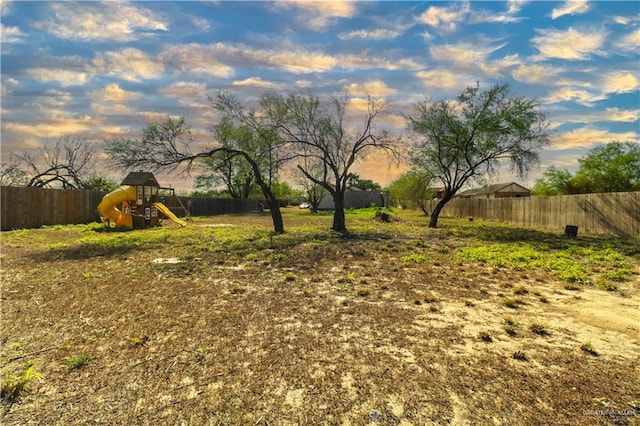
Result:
x=609 y=213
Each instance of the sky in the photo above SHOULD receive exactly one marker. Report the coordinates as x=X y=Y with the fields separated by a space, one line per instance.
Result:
x=95 y=71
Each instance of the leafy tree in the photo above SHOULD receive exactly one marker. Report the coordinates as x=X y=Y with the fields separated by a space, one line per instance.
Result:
x=364 y=184
x=472 y=136
x=412 y=190
x=65 y=163
x=318 y=130
x=284 y=191
x=98 y=183
x=614 y=167
x=231 y=172
x=554 y=182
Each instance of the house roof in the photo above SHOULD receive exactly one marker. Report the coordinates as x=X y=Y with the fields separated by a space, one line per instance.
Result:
x=140 y=178
x=491 y=189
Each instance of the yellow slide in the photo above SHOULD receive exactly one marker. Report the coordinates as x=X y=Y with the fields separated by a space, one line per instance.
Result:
x=168 y=213
x=108 y=210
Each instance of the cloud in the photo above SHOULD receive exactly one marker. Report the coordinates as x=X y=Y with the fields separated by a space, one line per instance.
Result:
x=569 y=94
x=303 y=84
x=629 y=42
x=318 y=15
x=594 y=116
x=377 y=34
x=113 y=93
x=445 y=18
x=101 y=21
x=128 y=64
x=184 y=89
x=61 y=76
x=299 y=61
x=444 y=80
x=201 y=23
x=200 y=59
x=254 y=82
x=373 y=88
x=53 y=99
x=460 y=54
x=536 y=74
x=587 y=137
x=508 y=17
x=570 y=7
x=10 y=34
x=59 y=124
x=570 y=44
x=620 y=82
x=474 y=57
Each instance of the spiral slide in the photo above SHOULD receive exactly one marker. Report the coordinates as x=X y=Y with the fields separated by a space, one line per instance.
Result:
x=168 y=213
x=108 y=210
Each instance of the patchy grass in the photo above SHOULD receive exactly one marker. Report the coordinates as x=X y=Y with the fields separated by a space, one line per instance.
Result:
x=249 y=327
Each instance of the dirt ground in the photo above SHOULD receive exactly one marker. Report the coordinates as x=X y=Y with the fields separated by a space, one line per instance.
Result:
x=346 y=331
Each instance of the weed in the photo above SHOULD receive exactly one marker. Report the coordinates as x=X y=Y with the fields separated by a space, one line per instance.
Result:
x=538 y=328
x=510 y=330
x=618 y=274
x=136 y=342
x=520 y=356
x=276 y=257
x=14 y=386
x=588 y=348
x=485 y=337
x=201 y=352
x=508 y=302
x=237 y=289
x=416 y=258
x=520 y=289
x=251 y=257
x=431 y=298
x=74 y=362
x=543 y=299
x=571 y=286
x=363 y=292
x=607 y=286
x=289 y=276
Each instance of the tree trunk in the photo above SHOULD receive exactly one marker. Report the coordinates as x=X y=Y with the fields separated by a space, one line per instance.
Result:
x=433 y=222
x=274 y=203
x=276 y=215
x=339 y=222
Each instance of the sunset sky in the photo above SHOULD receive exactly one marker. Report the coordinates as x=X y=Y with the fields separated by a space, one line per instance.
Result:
x=99 y=70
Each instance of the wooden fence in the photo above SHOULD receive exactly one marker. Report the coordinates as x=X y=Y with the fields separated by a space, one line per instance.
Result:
x=34 y=207
x=609 y=213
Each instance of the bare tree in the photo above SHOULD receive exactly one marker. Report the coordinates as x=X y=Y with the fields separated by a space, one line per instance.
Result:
x=67 y=163
x=167 y=146
x=13 y=175
x=314 y=193
x=319 y=130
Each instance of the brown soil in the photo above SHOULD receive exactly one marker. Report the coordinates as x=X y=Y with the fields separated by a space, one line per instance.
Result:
x=342 y=333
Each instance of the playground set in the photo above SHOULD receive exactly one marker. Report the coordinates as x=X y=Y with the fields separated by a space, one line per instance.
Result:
x=137 y=203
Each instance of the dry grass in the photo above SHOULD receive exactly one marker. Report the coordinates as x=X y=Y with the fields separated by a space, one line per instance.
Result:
x=246 y=327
